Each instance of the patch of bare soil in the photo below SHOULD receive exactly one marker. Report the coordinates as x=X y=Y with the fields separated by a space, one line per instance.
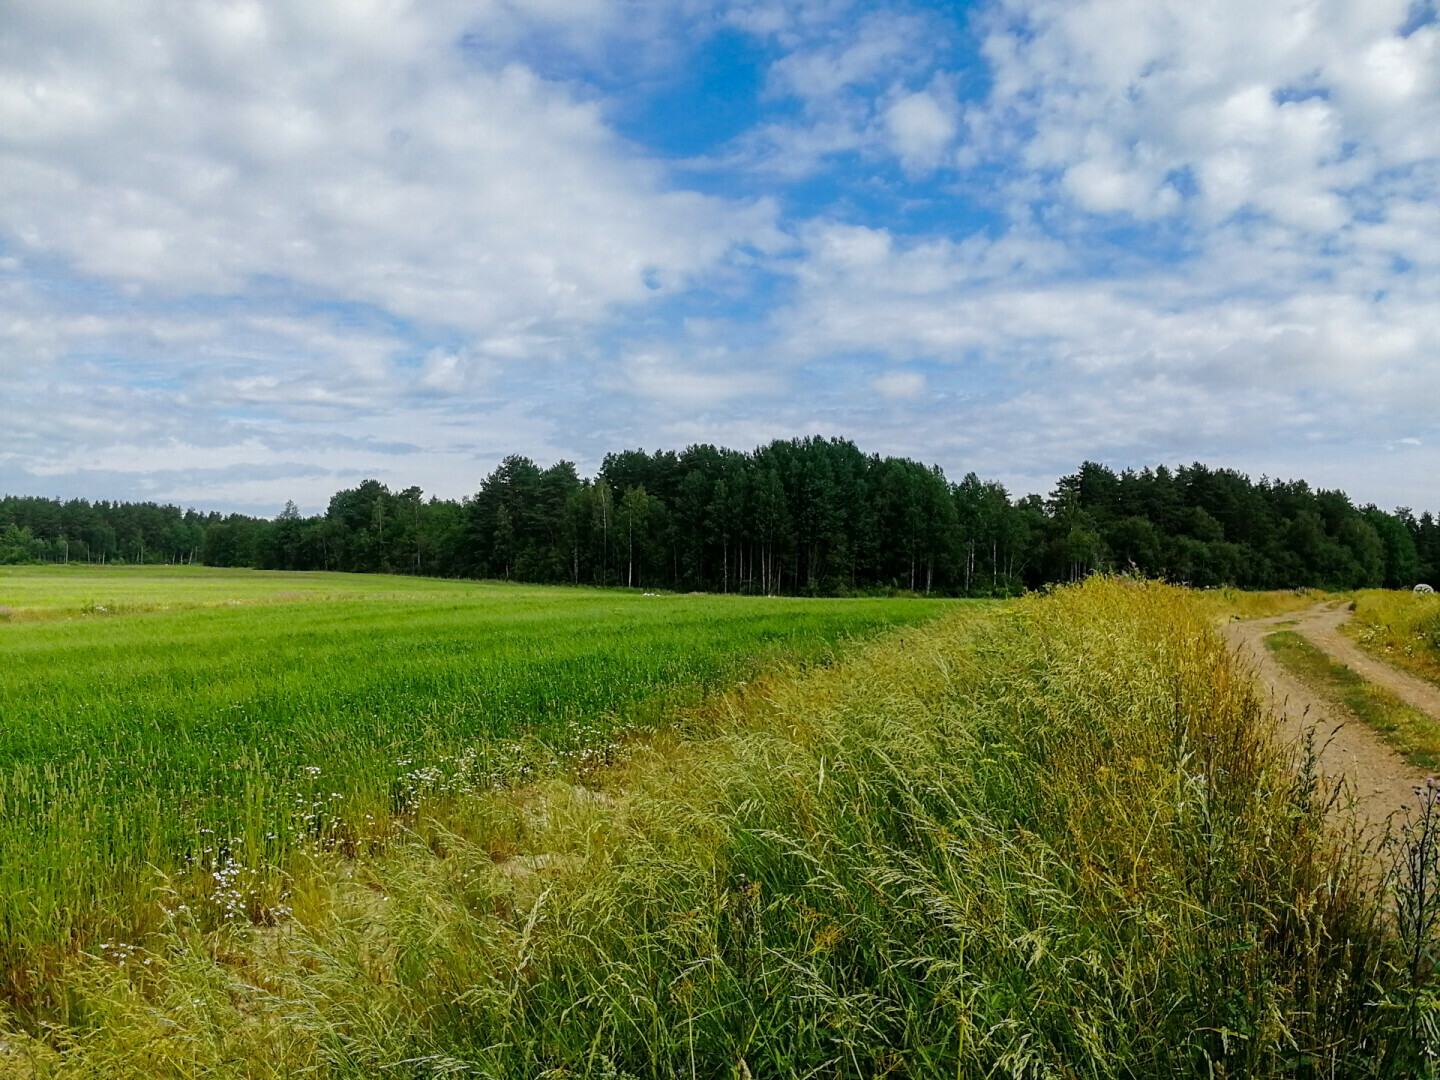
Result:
x=1382 y=781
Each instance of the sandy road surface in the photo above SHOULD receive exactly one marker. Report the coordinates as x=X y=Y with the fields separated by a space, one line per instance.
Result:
x=1383 y=781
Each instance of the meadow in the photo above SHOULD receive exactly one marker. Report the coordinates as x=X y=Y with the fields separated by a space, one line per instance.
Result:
x=1049 y=838
x=171 y=739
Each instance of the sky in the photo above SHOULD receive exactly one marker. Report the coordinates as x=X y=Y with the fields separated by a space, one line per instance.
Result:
x=258 y=250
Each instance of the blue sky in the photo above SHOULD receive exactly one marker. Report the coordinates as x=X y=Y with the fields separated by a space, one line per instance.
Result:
x=254 y=250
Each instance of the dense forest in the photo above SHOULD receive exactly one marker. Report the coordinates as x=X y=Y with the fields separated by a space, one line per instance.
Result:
x=806 y=516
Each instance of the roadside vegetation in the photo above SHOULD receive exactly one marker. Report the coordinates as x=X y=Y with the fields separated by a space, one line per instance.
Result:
x=1414 y=735
x=1401 y=628
x=1242 y=604
x=1052 y=838
x=155 y=762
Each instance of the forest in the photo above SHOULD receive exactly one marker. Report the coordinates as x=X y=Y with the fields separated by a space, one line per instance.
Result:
x=805 y=516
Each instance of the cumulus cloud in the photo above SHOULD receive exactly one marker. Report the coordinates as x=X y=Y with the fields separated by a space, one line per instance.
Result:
x=355 y=152
x=853 y=74
x=314 y=239
x=921 y=126
x=1137 y=369
x=1275 y=168
x=1213 y=109
x=263 y=209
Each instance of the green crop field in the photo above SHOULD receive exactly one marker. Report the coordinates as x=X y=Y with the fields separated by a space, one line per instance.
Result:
x=170 y=737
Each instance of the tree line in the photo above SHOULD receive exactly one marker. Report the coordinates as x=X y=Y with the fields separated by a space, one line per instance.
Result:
x=801 y=516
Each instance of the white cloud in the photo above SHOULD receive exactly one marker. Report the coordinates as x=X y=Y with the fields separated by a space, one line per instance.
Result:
x=1284 y=153
x=901 y=385
x=699 y=382
x=921 y=128
x=313 y=240
x=355 y=151
x=1279 y=108
x=250 y=220
x=853 y=75
x=1191 y=360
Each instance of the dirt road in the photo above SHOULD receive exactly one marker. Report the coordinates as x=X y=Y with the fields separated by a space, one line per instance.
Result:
x=1383 y=781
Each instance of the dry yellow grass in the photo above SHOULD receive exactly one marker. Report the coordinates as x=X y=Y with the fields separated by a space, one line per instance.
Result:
x=1240 y=604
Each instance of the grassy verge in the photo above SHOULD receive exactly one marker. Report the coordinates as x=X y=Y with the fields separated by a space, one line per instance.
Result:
x=1053 y=840
x=1230 y=603
x=1400 y=628
x=1410 y=731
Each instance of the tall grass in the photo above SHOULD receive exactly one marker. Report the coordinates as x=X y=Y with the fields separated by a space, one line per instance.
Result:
x=1401 y=627
x=187 y=757
x=1050 y=841
x=1244 y=604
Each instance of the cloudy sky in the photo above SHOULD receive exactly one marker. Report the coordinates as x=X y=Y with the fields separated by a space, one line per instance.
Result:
x=253 y=250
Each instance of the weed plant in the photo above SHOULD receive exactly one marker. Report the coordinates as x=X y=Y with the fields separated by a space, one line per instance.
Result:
x=171 y=755
x=1051 y=840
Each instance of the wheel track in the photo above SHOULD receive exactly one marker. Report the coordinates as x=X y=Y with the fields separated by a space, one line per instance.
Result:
x=1382 y=781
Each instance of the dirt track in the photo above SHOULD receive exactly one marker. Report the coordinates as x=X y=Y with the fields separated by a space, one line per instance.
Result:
x=1383 y=781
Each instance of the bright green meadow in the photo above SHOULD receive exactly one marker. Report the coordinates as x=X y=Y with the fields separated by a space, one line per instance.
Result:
x=171 y=736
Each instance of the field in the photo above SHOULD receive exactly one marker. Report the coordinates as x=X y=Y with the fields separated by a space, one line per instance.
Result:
x=181 y=733
x=1051 y=837
x=46 y=593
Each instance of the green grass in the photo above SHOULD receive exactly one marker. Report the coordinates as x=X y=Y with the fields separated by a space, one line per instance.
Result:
x=174 y=738
x=1411 y=732
x=1052 y=839
x=1400 y=628
x=29 y=593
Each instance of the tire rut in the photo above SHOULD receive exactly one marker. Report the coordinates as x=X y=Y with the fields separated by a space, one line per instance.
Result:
x=1381 y=780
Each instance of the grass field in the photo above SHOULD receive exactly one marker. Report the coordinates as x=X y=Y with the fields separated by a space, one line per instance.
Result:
x=32 y=593
x=171 y=738
x=1047 y=839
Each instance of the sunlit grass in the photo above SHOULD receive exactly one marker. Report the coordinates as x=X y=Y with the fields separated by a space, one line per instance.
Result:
x=1050 y=839
x=180 y=749
x=1243 y=604
x=1400 y=627
x=29 y=593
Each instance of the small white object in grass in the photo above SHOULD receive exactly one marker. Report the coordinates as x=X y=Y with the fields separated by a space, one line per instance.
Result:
x=1422 y=589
